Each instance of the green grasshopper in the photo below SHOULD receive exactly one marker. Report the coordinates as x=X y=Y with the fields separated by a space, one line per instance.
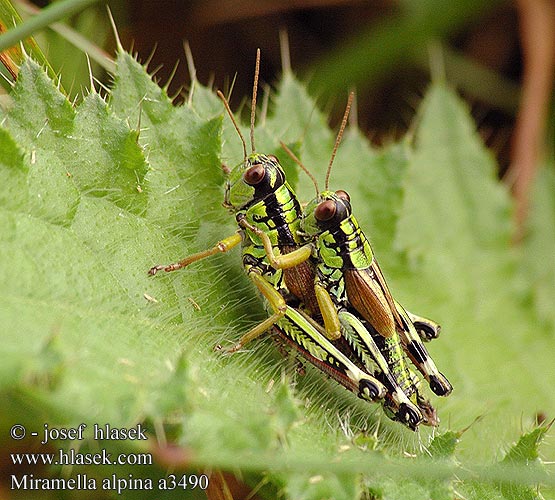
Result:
x=381 y=356
x=365 y=352
x=348 y=270
x=267 y=212
x=349 y=277
x=355 y=338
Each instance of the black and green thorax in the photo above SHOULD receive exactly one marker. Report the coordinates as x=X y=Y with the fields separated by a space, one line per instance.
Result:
x=345 y=246
x=340 y=248
x=260 y=196
x=277 y=215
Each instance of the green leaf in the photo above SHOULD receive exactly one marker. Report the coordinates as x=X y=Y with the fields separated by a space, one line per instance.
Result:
x=318 y=486
x=12 y=160
x=524 y=452
x=182 y=149
x=94 y=195
x=538 y=257
x=526 y=449
x=40 y=111
x=377 y=200
x=453 y=204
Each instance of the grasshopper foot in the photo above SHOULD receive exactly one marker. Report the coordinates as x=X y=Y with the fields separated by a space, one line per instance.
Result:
x=228 y=350
x=153 y=270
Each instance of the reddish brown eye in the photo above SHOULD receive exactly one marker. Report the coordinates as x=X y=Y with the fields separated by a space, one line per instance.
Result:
x=325 y=210
x=343 y=195
x=273 y=158
x=254 y=174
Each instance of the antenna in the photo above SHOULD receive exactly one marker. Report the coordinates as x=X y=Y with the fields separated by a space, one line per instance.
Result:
x=298 y=162
x=230 y=113
x=253 y=101
x=339 y=136
x=353 y=117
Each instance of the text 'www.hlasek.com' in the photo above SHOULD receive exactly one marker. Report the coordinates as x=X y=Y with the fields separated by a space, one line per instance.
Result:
x=62 y=450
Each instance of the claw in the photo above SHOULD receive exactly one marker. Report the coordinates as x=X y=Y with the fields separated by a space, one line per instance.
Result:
x=153 y=270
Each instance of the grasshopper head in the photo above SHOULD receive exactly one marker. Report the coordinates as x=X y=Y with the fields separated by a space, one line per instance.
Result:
x=325 y=212
x=252 y=181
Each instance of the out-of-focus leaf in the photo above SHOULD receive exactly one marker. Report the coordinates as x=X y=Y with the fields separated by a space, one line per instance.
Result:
x=539 y=256
x=95 y=194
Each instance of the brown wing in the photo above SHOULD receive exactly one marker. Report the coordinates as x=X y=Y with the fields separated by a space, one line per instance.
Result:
x=377 y=272
x=366 y=295
x=300 y=282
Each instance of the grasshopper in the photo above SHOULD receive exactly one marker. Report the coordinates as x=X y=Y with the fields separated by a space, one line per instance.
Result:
x=349 y=271
x=382 y=356
x=268 y=243
x=349 y=276
x=268 y=214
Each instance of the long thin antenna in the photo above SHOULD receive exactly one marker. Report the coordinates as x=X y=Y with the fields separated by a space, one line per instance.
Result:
x=253 y=102
x=353 y=117
x=298 y=162
x=230 y=113
x=339 y=136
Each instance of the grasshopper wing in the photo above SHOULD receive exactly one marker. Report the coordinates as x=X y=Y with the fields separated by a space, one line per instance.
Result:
x=367 y=296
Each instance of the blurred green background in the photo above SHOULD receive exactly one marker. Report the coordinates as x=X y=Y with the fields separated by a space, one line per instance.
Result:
x=388 y=51
x=385 y=49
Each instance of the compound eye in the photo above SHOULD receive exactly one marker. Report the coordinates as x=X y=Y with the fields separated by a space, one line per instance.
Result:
x=325 y=210
x=255 y=174
x=274 y=158
x=343 y=195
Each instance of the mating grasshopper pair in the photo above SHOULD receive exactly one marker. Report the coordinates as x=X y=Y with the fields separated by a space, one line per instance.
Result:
x=327 y=297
